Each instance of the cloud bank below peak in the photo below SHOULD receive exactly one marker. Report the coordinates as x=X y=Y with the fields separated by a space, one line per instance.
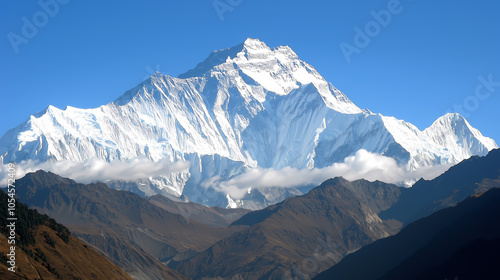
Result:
x=98 y=170
x=362 y=165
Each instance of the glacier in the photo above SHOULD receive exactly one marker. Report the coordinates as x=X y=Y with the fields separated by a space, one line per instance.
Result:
x=244 y=107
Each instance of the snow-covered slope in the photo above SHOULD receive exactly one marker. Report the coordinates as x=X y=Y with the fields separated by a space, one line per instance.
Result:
x=242 y=107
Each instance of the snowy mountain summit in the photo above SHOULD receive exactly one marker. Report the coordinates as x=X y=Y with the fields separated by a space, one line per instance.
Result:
x=243 y=109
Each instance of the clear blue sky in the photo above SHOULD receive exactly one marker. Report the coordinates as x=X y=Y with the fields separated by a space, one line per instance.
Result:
x=426 y=59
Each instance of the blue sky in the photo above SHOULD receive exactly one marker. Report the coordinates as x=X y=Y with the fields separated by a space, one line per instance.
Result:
x=429 y=58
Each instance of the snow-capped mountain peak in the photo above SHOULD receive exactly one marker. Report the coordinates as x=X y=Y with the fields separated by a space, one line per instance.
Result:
x=252 y=44
x=455 y=133
x=242 y=108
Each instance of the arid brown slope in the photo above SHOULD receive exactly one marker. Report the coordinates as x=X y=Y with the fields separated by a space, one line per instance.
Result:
x=46 y=250
x=130 y=257
x=299 y=236
x=113 y=220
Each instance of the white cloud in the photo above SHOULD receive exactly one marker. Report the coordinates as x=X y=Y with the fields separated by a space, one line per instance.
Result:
x=363 y=165
x=95 y=169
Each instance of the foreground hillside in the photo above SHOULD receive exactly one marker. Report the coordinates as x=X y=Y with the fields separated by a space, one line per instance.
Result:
x=47 y=250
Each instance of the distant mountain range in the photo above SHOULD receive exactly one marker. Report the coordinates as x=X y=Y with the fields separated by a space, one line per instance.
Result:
x=296 y=239
x=242 y=108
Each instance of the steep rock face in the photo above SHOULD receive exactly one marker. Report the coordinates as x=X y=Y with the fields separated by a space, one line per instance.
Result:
x=242 y=107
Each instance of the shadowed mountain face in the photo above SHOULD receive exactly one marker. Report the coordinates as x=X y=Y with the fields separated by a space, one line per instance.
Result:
x=453 y=243
x=126 y=228
x=46 y=250
x=472 y=176
x=483 y=264
x=299 y=236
